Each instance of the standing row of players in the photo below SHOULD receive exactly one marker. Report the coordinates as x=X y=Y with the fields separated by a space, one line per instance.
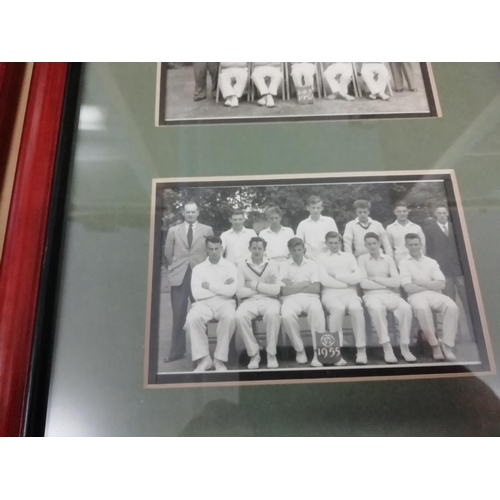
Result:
x=317 y=268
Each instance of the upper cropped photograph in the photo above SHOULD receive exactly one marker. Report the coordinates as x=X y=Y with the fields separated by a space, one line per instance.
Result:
x=191 y=93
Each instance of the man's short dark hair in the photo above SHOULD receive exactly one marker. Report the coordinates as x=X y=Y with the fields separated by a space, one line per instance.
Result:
x=333 y=234
x=213 y=239
x=413 y=236
x=295 y=242
x=372 y=235
x=440 y=205
x=274 y=210
x=312 y=200
x=237 y=211
x=257 y=239
x=400 y=203
x=190 y=202
x=362 y=204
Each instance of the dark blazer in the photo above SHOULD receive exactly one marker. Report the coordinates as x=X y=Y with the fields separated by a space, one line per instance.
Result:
x=443 y=248
x=179 y=255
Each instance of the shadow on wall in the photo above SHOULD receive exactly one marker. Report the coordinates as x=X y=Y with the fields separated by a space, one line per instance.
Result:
x=439 y=407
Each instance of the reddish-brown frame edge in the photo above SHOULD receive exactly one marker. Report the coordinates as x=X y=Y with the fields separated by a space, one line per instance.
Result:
x=25 y=238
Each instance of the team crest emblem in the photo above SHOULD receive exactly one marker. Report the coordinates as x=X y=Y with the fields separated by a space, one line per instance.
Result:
x=328 y=340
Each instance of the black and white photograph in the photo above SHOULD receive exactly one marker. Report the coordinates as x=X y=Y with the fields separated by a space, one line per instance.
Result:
x=245 y=92
x=323 y=277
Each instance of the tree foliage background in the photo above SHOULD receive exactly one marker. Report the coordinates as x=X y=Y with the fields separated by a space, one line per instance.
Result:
x=216 y=204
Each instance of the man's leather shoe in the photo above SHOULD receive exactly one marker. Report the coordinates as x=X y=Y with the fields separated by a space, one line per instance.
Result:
x=173 y=357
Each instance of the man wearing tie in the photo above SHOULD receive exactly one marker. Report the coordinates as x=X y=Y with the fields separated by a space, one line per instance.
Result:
x=185 y=247
x=442 y=247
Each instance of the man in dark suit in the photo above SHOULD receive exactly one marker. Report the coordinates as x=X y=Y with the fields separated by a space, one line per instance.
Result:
x=442 y=247
x=185 y=248
x=200 y=70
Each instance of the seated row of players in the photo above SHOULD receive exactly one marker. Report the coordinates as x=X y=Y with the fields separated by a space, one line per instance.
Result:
x=268 y=76
x=280 y=293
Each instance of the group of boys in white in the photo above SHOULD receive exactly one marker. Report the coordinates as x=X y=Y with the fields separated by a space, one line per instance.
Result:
x=279 y=275
x=268 y=78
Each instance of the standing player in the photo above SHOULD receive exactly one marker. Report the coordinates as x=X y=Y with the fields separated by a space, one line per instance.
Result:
x=300 y=289
x=235 y=240
x=313 y=229
x=276 y=236
x=402 y=226
x=258 y=290
x=380 y=282
x=213 y=285
x=339 y=275
x=355 y=230
x=423 y=280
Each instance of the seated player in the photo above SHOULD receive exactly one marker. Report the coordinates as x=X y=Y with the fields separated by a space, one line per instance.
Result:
x=276 y=236
x=313 y=229
x=213 y=285
x=339 y=275
x=376 y=77
x=261 y=71
x=300 y=289
x=339 y=76
x=423 y=280
x=233 y=81
x=355 y=230
x=380 y=283
x=397 y=231
x=258 y=290
x=235 y=240
x=303 y=74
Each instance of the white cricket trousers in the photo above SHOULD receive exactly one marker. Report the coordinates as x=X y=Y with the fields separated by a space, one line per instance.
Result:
x=378 y=304
x=259 y=75
x=227 y=87
x=338 y=76
x=423 y=303
x=269 y=309
x=337 y=305
x=218 y=308
x=376 y=77
x=296 y=304
x=303 y=71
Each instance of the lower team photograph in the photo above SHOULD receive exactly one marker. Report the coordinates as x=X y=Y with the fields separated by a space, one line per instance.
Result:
x=319 y=277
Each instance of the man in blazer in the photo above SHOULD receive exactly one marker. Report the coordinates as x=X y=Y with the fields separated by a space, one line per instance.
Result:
x=185 y=248
x=442 y=246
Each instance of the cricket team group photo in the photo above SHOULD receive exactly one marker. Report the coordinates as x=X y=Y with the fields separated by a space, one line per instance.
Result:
x=313 y=276
x=219 y=92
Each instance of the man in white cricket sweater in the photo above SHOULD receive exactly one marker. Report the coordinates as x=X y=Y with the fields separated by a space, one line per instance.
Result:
x=313 y=229
x=276 y=236
x=235 y=240
x=402 y=226
x=258 y=290
x=261 y=71
x=355 y=230
x=300 y=289
x=213 y=285
x=339 y=274
x=380 y=283
x=424 y=282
